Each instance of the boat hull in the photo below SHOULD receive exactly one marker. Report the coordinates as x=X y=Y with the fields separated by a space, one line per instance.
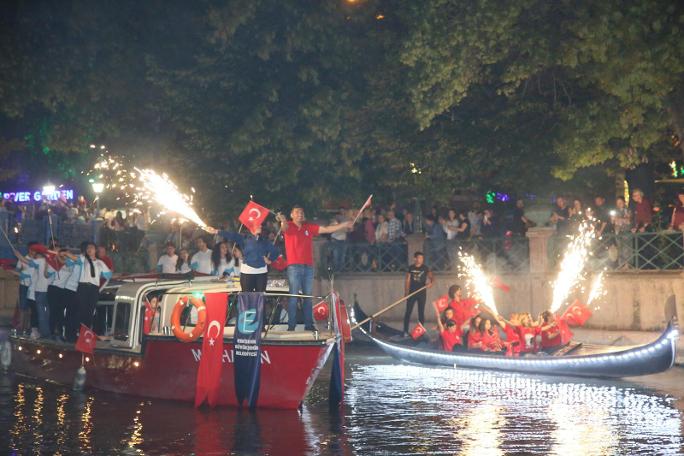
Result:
x=658 y=356
x=167 y=369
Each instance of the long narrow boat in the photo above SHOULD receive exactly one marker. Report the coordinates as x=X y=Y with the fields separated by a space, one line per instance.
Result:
x=157 y=365
x=584 y=361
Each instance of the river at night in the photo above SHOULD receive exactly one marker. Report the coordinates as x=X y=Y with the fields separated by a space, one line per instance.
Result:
x=390 y=409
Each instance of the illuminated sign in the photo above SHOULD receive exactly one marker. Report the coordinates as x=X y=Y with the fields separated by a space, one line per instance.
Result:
x=37 y=196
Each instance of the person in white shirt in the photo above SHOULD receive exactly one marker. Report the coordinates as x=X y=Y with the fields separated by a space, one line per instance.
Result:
x=451 y=225
x=58 y=274
x=88 y=291
x=183 y=263
x=201 y=260
x=222 y=262
x=167 y=262
x=37 y=290
x=23 y=270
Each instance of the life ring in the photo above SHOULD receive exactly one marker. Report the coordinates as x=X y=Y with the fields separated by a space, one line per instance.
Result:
x=176 y=326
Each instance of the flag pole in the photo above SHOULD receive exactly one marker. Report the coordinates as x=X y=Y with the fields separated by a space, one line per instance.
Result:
x=367 y=203
x=404 y=298
x=4 y=233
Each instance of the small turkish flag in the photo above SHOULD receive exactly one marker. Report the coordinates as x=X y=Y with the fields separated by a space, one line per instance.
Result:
x=211 y=362
x=253 y=215
x=442 y=303
x=497 y=283
x=86 y=340
x=418 y=332
x=577 y=314
x=320 y=311
x=279 y=264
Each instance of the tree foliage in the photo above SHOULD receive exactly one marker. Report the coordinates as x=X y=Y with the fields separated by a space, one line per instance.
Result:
x=323 y=101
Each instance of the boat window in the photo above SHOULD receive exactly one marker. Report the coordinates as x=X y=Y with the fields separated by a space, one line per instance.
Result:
x=122 y=320
x=104 y=317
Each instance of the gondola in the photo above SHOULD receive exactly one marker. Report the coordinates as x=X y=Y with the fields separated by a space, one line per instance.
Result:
x=582 y=361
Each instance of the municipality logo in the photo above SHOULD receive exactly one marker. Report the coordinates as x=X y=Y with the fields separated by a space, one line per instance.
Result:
x=247 y=321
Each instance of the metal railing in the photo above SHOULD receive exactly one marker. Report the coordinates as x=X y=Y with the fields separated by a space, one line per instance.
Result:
x=504 y=254
x=342 y=256
x=655 y=251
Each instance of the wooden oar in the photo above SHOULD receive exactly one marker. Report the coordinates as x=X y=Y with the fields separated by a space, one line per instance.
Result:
x=396 y=303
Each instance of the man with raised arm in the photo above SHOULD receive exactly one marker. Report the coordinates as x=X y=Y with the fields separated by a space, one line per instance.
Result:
x=299 y=236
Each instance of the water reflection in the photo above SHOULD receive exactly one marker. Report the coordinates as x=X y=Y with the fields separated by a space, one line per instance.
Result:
x=469 y=412
x=390 y=409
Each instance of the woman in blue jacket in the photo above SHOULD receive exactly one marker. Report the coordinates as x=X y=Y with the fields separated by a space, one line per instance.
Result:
x=257 y=254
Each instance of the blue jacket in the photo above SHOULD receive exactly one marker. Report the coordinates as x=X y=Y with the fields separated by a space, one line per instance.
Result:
x=254 y=249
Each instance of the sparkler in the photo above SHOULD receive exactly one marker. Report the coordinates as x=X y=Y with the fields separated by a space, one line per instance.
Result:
x=597 y=289
x=572 y=265
x=162 y=190
x=476 y=279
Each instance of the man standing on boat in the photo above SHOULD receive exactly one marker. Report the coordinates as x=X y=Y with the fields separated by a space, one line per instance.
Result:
x=299 y=235
x=417 y=277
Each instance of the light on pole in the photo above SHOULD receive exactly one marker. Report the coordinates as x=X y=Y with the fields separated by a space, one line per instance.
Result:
x=98 y=188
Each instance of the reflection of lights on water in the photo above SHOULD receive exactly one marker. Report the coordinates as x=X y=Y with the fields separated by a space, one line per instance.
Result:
x=61 y=419
x=19 y=418
x=86 y=425
x=137 y=429
x=453 y=406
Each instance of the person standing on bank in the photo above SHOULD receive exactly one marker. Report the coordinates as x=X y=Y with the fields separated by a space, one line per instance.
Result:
x=88 y=292
x=418 y=276
x=257 y=254
x=299 y=252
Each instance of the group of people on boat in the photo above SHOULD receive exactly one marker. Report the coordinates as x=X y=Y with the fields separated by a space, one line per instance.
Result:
x=465 y=324
x=58 y=290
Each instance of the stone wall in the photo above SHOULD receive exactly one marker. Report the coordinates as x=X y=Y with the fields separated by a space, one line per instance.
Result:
x=633 y=301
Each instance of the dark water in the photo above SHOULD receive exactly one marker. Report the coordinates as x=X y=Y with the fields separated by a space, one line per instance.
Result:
x=390 y=409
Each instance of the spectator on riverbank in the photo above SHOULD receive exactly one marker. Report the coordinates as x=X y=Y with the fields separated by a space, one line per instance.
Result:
x=560 y=216
x=677 y=219
x=643 y=212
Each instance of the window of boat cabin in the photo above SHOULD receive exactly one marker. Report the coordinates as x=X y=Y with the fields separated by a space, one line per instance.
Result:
x=152 y=301
x=122 y=317
x=104 y=311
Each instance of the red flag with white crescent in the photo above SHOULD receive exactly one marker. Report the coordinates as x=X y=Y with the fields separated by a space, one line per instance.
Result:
x=211 y=363
x=253 y=215
x=86 y=340
x=577 y=314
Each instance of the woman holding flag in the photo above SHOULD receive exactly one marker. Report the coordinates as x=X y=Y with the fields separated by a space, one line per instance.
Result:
x=257 y=250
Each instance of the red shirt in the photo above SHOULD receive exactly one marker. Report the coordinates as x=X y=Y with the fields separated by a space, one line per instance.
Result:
x=463 y=310
x=299 y=243
x=551 y=337
x=513 y=337
x=449 y=339
x=475 y=337
x=527 y=338
x=643 y=213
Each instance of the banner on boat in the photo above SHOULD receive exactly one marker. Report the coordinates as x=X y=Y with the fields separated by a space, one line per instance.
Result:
x=247 y=343
x=211 y=363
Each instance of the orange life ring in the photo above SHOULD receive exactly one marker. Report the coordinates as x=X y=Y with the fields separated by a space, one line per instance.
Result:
x=176 y=326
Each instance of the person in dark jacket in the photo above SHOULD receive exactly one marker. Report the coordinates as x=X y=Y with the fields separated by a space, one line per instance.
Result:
x=258 y=252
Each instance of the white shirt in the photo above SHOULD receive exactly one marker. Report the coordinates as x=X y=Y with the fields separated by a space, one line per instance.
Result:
x=24 y=271
x=184 y=268
x=39 y=281
x=167 y=264
x=201 y=262
x=226 y=268
x=72 y=281
x=247 y=269
x=101 y=270
x=59 y=278
x=453 y=224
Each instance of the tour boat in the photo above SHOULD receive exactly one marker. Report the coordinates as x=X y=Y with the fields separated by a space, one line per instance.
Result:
x=158 y=365
x=582 y=360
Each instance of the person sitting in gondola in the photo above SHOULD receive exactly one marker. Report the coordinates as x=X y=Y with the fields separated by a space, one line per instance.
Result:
x=449 y=332
x=511 y=329
x=554 y=332
x=476 y=334
x=528 y=332
x=464 y=309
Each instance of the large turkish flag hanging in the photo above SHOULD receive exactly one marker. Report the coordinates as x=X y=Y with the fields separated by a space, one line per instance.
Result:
x=211 y=363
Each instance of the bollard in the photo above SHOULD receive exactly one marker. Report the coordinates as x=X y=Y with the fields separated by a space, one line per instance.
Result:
x=79 y=379
x=6 y=355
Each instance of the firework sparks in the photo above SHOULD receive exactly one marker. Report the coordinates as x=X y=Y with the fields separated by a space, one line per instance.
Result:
x=572 y=265
x=597 y=290
x=476 y=280
x=161 y=190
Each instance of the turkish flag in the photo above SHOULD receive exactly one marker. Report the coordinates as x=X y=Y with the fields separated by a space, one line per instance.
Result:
x=417 y=332
x=253 y=215
x=211 y=362
x=577 y=314
x=320 y=311
x=279 y=264
x=149 y=317
x=86 y=340
x=442 y=303
x=498 y=283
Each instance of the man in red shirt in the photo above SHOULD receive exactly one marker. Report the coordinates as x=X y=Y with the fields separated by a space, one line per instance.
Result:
x=299 y=236
x=643 y=211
